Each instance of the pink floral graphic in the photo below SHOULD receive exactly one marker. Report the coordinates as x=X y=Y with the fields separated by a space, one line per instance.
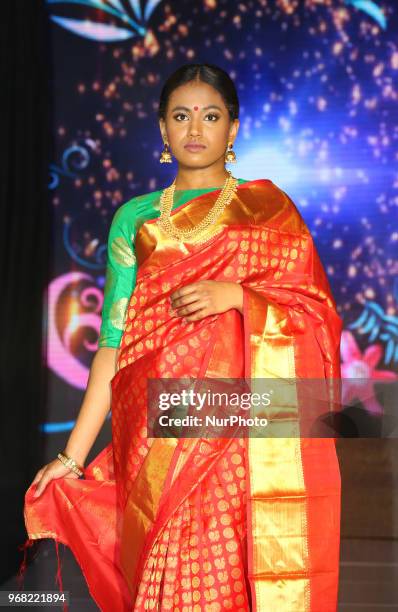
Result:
x=360 y=368
x=63 y=325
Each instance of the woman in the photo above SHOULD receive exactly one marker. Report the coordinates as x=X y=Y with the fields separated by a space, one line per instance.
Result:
x=213 y=277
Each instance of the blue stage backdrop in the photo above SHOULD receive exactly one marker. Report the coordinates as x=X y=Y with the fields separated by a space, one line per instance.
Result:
x=318 y=85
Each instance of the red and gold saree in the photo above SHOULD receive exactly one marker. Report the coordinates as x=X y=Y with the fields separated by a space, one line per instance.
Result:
x=212 y=524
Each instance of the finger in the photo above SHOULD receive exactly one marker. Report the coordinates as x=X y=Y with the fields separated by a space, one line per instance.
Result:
x=184 y=291
x=37 y=477
x=200 y=314
x=186 y=299
x=191 y=308
x=41 y=486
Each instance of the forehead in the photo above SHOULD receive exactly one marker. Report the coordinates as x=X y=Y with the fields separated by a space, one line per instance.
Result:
x=196 y=93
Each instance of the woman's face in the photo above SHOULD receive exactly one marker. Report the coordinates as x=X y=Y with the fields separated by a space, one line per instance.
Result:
x=196 y=113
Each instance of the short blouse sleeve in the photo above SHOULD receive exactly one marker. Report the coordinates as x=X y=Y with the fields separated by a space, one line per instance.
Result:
x=121 y=273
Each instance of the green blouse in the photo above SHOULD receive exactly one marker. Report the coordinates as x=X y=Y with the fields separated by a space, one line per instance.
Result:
x=121 y=270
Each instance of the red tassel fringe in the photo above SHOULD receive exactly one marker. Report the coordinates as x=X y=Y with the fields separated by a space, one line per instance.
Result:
x=58 y=577
x=23 y=566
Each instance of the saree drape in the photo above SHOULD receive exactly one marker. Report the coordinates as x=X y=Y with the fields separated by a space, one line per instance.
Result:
x=212 y=524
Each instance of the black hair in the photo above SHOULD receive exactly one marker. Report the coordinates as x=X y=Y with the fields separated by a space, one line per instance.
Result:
x=207 y=73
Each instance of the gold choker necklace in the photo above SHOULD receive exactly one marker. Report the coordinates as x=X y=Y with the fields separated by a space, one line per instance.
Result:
x=166 y=205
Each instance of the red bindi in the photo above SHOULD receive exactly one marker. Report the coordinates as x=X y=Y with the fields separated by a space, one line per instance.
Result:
x=196 y=108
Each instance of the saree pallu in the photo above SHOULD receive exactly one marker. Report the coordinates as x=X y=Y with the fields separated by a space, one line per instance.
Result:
x=218 y=523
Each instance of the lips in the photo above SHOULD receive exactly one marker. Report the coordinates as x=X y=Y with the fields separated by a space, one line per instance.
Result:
x=194 y=147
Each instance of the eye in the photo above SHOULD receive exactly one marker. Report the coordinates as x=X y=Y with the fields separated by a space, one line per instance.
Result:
x=216 y=117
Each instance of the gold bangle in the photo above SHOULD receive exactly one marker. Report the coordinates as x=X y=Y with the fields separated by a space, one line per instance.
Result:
x=71 y=463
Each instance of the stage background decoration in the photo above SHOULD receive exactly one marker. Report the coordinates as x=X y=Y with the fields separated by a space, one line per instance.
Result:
x=317 y=82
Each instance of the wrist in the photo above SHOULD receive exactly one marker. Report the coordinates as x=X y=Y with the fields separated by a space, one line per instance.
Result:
x=71 y=463
x=78 y=457
x=238 y=300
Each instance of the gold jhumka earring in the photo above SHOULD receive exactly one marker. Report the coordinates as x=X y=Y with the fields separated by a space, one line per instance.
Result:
x=230 y=156
x=165 y=157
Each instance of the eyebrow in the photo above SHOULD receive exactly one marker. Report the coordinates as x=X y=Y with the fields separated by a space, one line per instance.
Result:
x=188 y=109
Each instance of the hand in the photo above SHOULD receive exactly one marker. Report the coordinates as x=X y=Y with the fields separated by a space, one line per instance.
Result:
x=55 y=469
x=206 y=297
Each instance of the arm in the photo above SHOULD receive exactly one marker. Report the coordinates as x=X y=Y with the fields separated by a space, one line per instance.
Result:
x=120 y=283
x=96 y=405
x=92 y=414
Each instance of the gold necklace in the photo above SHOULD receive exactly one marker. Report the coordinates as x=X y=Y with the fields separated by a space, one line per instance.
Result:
x=166 y=205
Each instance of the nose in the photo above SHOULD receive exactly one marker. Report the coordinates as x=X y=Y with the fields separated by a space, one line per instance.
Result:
x=195 y=125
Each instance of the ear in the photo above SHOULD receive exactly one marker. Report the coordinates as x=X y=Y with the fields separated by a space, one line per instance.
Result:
x=162 y=127
x=233 y=130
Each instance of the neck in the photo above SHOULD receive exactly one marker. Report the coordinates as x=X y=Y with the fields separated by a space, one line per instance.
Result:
x=190 y=181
